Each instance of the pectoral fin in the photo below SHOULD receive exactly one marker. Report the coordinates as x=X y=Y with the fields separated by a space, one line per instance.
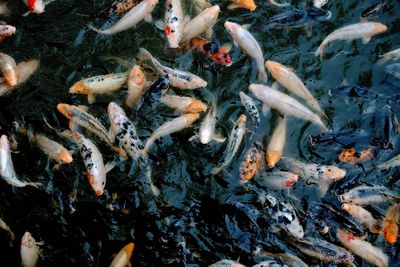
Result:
x=148 y=18
x=265 y=110
x=194 y=137
x=110 y=165
x=91 y=98
x=219 y=138
x=366 y=40
x=160 y=24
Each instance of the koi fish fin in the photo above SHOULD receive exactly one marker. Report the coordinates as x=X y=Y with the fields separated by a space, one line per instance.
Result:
x=323 y=188
x=35 y=184
x=227 y=46
x=246 y=26
x=120 y=152
x=275 y=86
x=148 y=18
x=219 y=138
x=160 y=24
x=155 y=190
x=110 y=165
x=265 y=110
x=217 y=170
x=209 y=33
x=91 y=98
x=366 y=40
x=194 y=137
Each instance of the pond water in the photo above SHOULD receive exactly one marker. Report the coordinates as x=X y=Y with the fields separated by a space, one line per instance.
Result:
x=195 y=221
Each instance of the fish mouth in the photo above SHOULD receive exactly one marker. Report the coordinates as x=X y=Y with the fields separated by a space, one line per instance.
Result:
x=99 y=192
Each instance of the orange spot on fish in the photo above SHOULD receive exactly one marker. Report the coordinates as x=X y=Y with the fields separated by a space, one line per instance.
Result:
x=168 y=30
x=353 y=157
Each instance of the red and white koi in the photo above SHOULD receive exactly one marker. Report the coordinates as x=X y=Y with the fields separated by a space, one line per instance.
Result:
x=285 y=104
x=177 y=78
x=234 y=141
x=363 y=249
x=170 y=127
x=25 y=70
x=213 y=50
x=276 y=144
x=278 y=179
x=173 y=22
x=183 y=104
x=364 y=30
x=7 y=171
x=8 y=68
x=100 y=84
x=138 y=13
x=136 y=87
x=29 y=250
x=35 y=6
x=123 y=258
x=202 y=23
x=249 y=45
x=362 y=216
x=287 y=78
x=390 y=224
x=6 y=31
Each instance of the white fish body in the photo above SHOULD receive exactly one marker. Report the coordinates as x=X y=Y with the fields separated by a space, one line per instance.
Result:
x=249 y=45
x=363 y=30
x=202 y=23
x=285 y=104
x=136 y=87
x=319 y=3
x=276 y=144
x=234 y=141
x=53 y=149
x=364 y=194
x=173 y=22
x=363 y=216
x=250 y=107
x=133 y=17
x=178 y=78
x=25 y=70
x=29 y=250
x=7 y=168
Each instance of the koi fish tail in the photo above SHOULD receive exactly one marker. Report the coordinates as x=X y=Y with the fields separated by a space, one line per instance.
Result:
x=35 y=184
x=97 y=30
x=217 y=170
x=320 y=50
x=262 y=75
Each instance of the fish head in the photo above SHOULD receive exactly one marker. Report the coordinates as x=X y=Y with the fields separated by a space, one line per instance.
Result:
x=344 y=236
x=233 y=29
x=272 y=158
x=291 y=180
x=28 y=241
x=64 y=156
x=198 y=82
x=136 y=76
x=173 y=36
x=10 y=74
x=207 y=129
x=347 y=207
x=334 y=173
x=115 y=112
x=257 y=90
x=79 y=88
x=128 y=249
x=273 y=67
x=196 y=106
x=211 y=13
x=97 y=183
x=242 y=119
x=65 y=110
x=295 y=229
x=6 y=31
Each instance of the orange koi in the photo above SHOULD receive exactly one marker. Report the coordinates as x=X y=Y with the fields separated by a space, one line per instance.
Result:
x=213 y=50
x=390 y=227
x=353 y=157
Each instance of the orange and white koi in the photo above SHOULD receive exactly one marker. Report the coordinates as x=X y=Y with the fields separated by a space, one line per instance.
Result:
x=287 y=78
x=173 y=22
x=213 y=50
x=35 y=6
x=364 y=194
x=8 y=68
x=363 y=249
x=279 y=179
x=390 y=224
x=362 y=216
x=276 y=144
x=100 y=84
x=183 y=104
x=6 y=31
x=353 y=157
x=364 y=30
x=133 y=17
x=252 y=163
x=136 y=87
x=6 y=228
x=29 y=250
x=249 y=45
x=202 y=23
x=25 y=70
x=248 y=4
x=234 y=141
x=177 y=78
x=170 y=127
x=392 y=55
x=123 y=257
x=7 y=171
x=285 y=104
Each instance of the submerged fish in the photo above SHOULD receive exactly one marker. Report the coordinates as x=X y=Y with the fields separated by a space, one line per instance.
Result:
x=298 y=18
x=5 y=227
x=25 y=70
x=252 y=163
x=394 y=70
x=323 y=250
x=234 y=141
x=226 y=263
x=248 y=4
x=392 y=55
x=285 y=104
x=276 y=143
x=286 y=258
x=251 y=108
x=29 y=250
x=376 y=9
x=364 y=194
x=277 y=179
x=6 y=31
x=183 y=104
x=52 y=149
x=178 y=78
x=133 y=17
x=8 y=67
x=249 y=45
x=213 y=50
x=7 y=171
x=390 y=224
x=363 y=249
x=173 y=22
x=100 y=84
x=35 y=6
x=154 y=94
x=123 y=257
x=319 y=3
x=353 y=157
x=136 y=87
x=364 y=30
x=363 y=216
x=391 y=163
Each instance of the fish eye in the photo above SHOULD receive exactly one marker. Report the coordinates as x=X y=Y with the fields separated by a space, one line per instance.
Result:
x=102 y=183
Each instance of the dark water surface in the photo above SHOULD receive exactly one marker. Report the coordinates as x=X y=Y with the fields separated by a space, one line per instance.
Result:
x=195 y=221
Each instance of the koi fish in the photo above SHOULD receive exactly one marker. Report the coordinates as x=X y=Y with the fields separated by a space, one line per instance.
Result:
x=363 y=249
x=154 y=94
x=100 y=84
x=362 y=216
x=234 y=141
x=252 y=163
x=226 y=263
x=123 y=257
x=6 y=31
x=353 y=157
x=136 y=87
x=364 y=30
x=170 y=127
x=249 y=45
x=276 y=144
x=213 y=50
x=390 y=227
x=173 y=22
x=79 y=117
x=375 y=10
x=323 y=250
x=7 y=171
x=285 y=104
x=133 y=17
x=278 y=179
x=250 y=107
x=392 y=55
x=29 y=250
x=364 y=194
x=248 y=4
x=269 y=264
x=393 y=162
x=288 y=79
x=202 y=23
x=183 y=104
x=25 y=70
x=35 y=6
x=6 y=228
x=179 y=79
x=8 y=67
x=121 y=6
x=319 y=3
x=286 y=258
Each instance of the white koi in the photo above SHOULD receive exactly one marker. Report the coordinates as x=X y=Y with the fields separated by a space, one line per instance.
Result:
x=52 y=149
x=173 y=22
x=136 y=87
x=276 y=144
x=183 y=104
x=30 y=250
x=226 y=263
x=362 y=216
x=279 y=179
x=364 y=194
x=250 y=107
x=6 y=31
